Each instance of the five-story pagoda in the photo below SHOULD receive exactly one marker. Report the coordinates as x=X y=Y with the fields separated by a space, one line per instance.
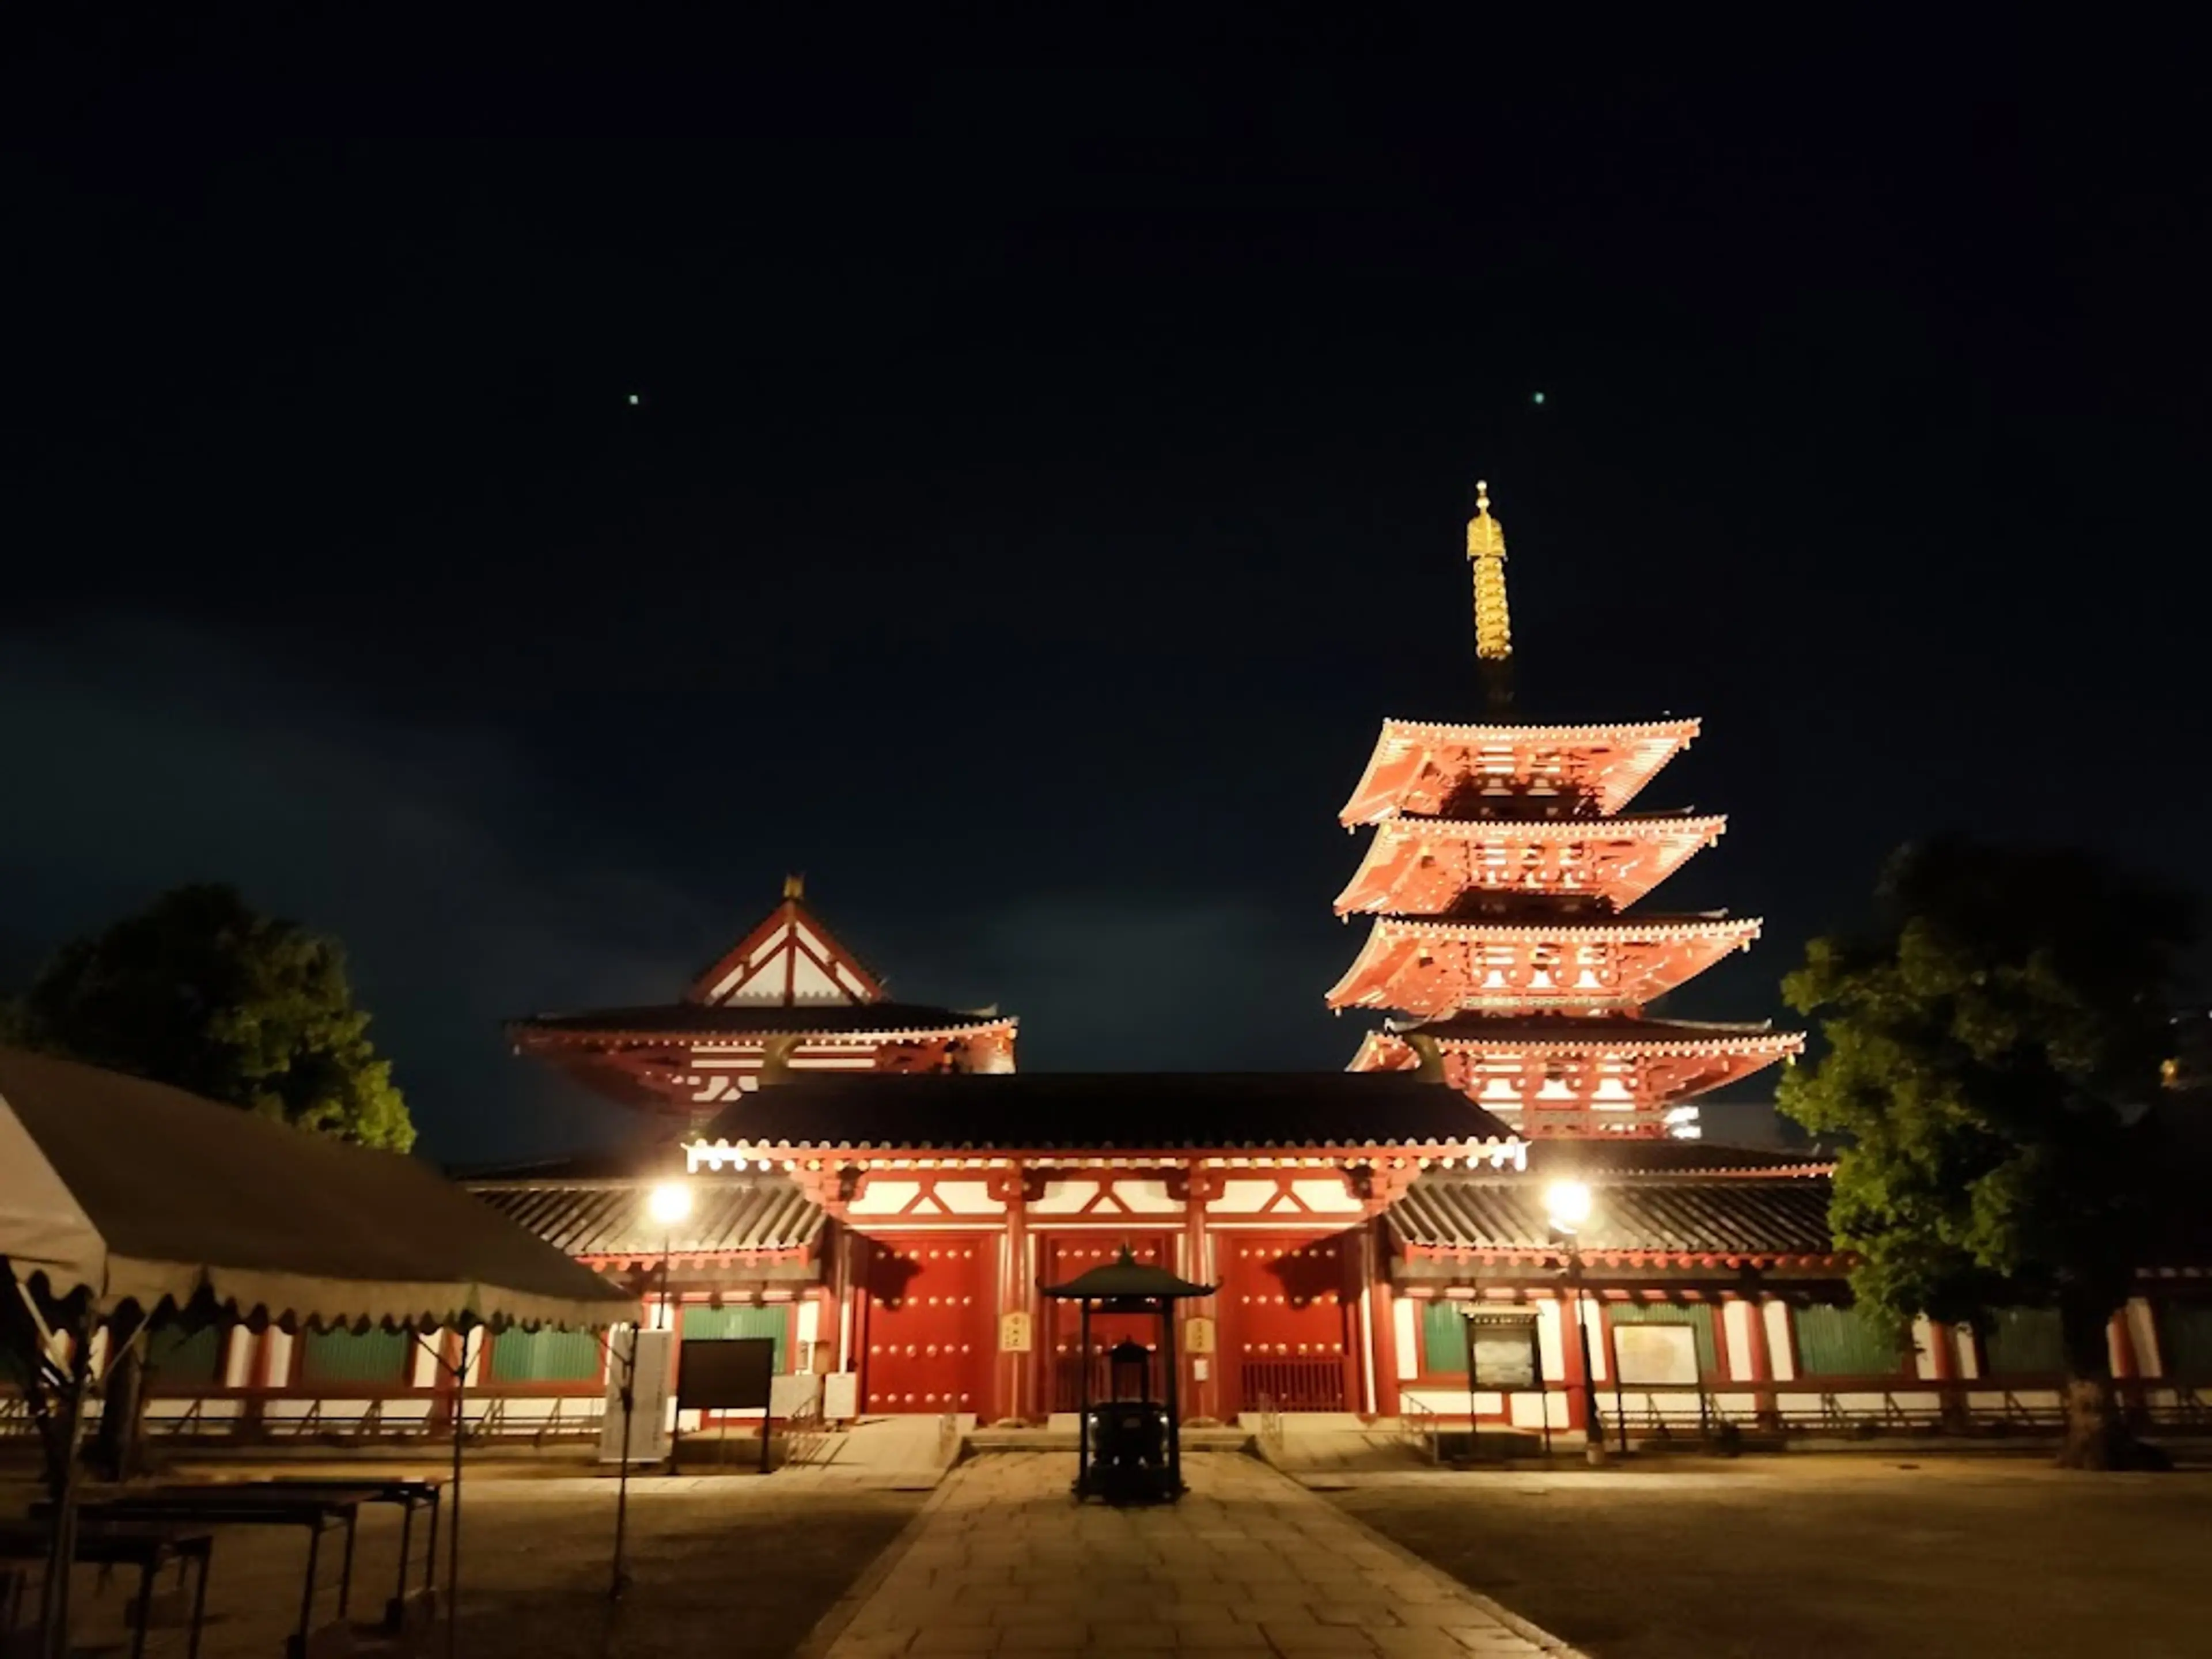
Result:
x=1501 y=866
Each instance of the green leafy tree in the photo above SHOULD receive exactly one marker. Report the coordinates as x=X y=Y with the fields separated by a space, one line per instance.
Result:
x=1993 y=1056
x=201 y=991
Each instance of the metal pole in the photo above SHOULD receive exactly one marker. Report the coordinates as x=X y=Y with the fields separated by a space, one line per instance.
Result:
x=668 y=1319
x=1173 y=1401
x=1593 y=1433
x=1083 y=1399
x=454 y=1523
x=54 y=1595
x=621 y=1480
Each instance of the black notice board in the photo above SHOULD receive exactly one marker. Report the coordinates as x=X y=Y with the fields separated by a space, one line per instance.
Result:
x=724 y=1374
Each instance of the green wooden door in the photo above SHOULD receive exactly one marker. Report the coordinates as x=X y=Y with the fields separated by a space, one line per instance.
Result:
x=378 y=1358
x=1443 y=1339
x=545 y=1357
x=2025 y=1342
x=1842 y=1342
x=703 y=1324
x=2185 y=1334
x=178 y=1358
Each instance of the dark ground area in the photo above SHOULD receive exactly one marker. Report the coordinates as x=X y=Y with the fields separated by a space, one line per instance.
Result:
x=721 y=1566
x=1826 y=1558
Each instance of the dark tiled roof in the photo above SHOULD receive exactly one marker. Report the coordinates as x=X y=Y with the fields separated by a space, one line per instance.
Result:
x=608 y=1218
x=1570 y=1028
x=1625 y=1157
x=1131 y=1110
x=1446 y=1210
x=711 y=1020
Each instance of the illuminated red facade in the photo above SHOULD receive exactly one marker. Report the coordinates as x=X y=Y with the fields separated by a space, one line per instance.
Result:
x=1502 y=860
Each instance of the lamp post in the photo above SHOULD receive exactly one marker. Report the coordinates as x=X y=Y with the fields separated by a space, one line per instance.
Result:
x=1567 y=1206
x=668 y=1204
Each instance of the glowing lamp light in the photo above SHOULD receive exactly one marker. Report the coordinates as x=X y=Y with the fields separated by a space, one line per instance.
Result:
x=1567 y=1203
x=671 y=1203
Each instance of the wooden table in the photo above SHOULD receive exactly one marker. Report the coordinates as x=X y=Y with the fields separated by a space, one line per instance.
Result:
x=147 y=1546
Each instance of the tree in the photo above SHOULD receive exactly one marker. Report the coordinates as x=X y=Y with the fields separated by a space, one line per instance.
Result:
x=201 y=991
x=1993 y=1055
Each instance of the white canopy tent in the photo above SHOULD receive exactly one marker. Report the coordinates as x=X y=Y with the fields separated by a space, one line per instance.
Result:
x=121 y=1199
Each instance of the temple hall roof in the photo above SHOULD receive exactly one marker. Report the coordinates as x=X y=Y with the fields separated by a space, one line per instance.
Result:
x=1114 y=1111
x=1734 y=1219
x=729 y=1215
x=736 y=1022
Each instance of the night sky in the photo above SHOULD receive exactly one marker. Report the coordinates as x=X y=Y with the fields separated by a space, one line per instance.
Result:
x=506 y=500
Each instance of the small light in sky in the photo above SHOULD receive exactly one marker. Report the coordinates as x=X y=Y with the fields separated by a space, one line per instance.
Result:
x=634 y=400
x=1538 y=398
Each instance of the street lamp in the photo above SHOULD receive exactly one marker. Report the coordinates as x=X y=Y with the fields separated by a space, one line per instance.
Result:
x=1567 y=1206
x=668 y=1204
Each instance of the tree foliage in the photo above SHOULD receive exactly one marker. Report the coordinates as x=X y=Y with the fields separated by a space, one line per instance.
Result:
x=201 y=991
x=1993 y=1049
x=1993 y=1053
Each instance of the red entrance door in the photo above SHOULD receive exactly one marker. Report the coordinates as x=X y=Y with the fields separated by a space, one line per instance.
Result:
x=1065 y=1255
x=1285 y=1305
x=929 y=1324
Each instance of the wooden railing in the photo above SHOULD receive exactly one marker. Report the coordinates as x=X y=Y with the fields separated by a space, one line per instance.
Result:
x=1296 y=1385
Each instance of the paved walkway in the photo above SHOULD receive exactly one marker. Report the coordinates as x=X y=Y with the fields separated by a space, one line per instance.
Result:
x=1003 y=1561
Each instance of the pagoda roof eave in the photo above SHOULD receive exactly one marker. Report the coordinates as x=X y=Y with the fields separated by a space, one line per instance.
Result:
x=1598 y=731
x=1650 y=826
x=1637 y=926
x=1373 y=800
x=1567 y=1034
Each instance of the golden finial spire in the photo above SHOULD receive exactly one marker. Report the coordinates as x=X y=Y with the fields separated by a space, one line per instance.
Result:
x=794 y=887
x=1485 y=546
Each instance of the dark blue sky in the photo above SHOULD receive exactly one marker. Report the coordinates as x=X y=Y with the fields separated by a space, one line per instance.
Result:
x=1048 y=469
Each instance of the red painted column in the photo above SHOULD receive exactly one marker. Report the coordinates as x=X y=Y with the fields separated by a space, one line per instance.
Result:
x=1010 y=1372
x=1570 y=1360
x=1758 y=1361
x=1204 y=1396
x=1383 y=1324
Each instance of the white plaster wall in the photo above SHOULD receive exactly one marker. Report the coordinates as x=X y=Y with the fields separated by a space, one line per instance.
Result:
x=968 y=1197
x=1405 y=1337
x=1779 y=1352
x=1736 y=1317
x=2142 y=1331
x=238 y=1357
x=1065 y=1197
x=1325 y=1194
x=1926 y=1334
x=1147 y=1197
x=884 y=1197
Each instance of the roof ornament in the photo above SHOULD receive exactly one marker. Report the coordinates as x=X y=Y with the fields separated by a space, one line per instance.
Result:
x=794 y=887
x=1493 y=623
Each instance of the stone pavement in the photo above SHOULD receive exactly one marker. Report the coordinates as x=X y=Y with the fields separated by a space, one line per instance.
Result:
x=1002 y=1560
